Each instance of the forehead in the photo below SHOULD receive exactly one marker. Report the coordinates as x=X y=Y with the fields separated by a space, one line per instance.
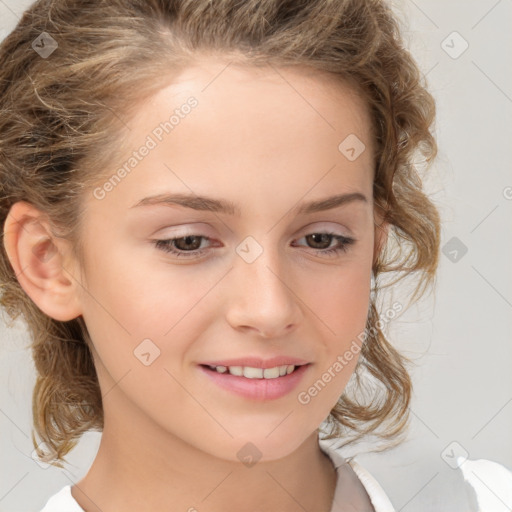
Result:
x=252 y=131
x=278 y=96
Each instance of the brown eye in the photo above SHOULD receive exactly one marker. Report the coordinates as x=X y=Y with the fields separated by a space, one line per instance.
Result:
x=190 y=243
x=322 y=241
x=188 y=246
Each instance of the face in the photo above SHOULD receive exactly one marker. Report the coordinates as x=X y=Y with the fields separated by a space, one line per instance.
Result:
x=263 y=268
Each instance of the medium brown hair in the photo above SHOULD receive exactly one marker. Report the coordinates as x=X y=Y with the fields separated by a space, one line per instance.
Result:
x=59 y=127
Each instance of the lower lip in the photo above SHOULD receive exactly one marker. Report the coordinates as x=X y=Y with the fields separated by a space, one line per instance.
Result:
x=257 y=389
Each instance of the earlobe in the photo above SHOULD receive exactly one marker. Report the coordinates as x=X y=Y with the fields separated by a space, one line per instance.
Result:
x=38 y=259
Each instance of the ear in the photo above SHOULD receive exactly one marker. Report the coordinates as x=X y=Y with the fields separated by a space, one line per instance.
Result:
x=42 y=262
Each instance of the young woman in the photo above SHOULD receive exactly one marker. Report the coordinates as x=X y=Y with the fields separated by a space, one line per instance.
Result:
x=197 y=200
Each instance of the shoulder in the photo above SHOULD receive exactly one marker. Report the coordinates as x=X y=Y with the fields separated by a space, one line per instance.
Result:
x=63 y=501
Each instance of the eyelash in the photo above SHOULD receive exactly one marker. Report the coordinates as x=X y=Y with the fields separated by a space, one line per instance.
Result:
x=166 y=245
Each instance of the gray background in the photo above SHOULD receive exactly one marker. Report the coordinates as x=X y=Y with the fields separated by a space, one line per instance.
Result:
x=460 y=338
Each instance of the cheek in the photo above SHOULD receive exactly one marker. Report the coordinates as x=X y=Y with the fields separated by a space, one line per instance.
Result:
x=139 y=294
x=339 y=302
x=339 y=298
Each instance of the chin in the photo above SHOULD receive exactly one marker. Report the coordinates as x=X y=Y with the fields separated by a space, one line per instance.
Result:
x=260 y=447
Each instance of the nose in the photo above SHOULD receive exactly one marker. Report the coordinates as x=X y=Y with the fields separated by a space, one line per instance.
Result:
x=262 y=298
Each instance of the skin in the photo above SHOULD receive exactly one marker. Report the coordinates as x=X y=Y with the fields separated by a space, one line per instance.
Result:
x=255 y=140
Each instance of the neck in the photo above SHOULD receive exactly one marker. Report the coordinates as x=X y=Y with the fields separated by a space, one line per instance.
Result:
x=141 y=467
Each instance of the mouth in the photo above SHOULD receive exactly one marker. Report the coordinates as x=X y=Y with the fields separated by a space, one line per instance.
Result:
x=256 y=383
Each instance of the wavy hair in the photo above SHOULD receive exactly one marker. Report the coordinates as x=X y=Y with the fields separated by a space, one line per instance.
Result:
x=59 y=127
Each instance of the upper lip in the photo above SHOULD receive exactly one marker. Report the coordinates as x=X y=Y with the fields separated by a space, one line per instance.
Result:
x=258 y=362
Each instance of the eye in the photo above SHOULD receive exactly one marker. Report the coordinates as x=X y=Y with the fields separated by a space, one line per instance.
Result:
x=322 y=240
x=191 y=246
x=183 y=247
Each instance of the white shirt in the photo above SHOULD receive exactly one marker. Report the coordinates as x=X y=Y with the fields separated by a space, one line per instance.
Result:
x=358 y=479
x=459 y=490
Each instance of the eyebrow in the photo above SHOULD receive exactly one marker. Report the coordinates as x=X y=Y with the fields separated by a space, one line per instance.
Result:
x=210 y=204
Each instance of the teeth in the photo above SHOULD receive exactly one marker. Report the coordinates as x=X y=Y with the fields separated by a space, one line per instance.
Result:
x=236 y=370
x=271 y=373
x=256 y=373
x=253 y=373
